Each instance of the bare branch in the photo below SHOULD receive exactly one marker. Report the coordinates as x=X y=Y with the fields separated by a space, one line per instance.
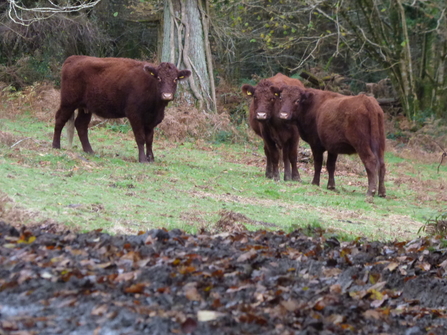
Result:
x=16 y=11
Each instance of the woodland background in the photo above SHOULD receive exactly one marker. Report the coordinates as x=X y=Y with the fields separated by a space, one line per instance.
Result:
x=396 y=50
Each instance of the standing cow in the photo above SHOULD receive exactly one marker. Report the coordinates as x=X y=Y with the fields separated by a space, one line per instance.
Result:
x=338 y=124
x=276 y=134
x=116 y=88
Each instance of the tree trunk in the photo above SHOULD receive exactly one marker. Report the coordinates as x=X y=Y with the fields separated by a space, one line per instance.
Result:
x=406 y=64
x=186 y=44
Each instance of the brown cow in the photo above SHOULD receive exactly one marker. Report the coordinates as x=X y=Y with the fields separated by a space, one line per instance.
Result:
x=116 y=88
x=275 y=134
x=338 y=124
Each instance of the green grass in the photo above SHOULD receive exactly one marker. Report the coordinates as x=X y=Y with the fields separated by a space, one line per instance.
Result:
x=189 y=185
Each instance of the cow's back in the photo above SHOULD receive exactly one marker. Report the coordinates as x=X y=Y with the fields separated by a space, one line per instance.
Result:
x=280 y=80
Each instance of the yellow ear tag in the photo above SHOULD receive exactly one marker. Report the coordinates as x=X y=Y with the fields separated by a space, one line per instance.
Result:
x=276 y=94
x=152 y=74
x=248 y=93
x=181 y=77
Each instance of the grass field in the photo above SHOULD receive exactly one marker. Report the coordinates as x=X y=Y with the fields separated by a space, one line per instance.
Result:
x=197 y=184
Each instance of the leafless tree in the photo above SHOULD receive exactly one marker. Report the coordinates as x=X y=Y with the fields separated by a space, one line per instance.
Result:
x=26 y=16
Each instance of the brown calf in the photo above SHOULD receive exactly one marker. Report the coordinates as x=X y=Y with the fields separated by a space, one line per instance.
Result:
x=338 y=124
x=116 y=88
x=275 y=134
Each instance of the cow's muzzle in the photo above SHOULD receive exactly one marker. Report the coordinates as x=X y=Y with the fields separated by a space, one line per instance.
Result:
x=167 y=96
x=284 y=115
x=261 y=116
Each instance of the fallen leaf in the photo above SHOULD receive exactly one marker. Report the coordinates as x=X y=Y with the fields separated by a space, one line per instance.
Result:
x=191 y=292
x=336 y=288
x=335 y=319
x=424 y=266
x=372 y=314
x=99 y=310
x=392 y=266
x=291 y=305
x=204 y=316
x=378 y=287
x=135 y=288
x=8 y=325
x=247 y=256
x=189 y=326
x=331 y=272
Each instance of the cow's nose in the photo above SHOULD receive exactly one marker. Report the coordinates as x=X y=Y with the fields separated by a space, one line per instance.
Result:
x=283 y=115
x=167 y=96
x=261 y=116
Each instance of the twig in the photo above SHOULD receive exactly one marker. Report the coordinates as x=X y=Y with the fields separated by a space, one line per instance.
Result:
x=444 y=154
x=12 y=146
x=98 y=124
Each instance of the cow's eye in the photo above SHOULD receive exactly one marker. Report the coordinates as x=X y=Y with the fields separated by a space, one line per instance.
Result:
x=159 y=79
x=175 y=80
x=297 y=101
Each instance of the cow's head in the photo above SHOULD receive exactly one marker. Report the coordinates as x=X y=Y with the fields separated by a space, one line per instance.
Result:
x=293 y=99
x=168 y=76
x=264 y=99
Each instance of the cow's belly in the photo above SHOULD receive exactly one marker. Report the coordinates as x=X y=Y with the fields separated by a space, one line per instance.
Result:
x=106 y=110
x=340 y=148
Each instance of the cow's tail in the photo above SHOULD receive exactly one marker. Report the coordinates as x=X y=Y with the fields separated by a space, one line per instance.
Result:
x=377 y=127
x=70 y=125
x=378 y=141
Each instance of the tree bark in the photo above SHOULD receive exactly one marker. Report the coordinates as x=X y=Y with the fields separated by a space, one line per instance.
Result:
x=185 y=43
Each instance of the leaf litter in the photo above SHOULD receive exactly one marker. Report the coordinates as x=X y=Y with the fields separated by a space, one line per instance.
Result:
x=233 y=282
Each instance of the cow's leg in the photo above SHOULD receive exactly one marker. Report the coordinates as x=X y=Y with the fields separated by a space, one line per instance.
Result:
x=293 y=158
x=81 y=123
x=318 y=163
x=149 y=141
x=268 y=165
x=274 y=158
x=330 y=165
x=371 y=163
x=287 y=162
x=63 y=114
x=382 y=170
x=140 y=136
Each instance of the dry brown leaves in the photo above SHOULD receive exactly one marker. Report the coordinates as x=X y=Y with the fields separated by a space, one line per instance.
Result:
x=232 y=282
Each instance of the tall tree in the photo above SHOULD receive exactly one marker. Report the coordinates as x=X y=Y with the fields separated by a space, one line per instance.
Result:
x=409 y=40
x=186 y=44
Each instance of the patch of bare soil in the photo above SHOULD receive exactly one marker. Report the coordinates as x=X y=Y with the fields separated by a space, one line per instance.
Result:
x=236 y=282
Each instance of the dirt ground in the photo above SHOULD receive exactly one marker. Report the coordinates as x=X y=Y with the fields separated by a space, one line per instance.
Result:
x=53 y=281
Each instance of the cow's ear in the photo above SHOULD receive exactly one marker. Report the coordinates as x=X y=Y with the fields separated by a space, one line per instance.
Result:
x=183 y=74
x=151 y=70
x=248 y=90
x=276 y=90
x=306 y=96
